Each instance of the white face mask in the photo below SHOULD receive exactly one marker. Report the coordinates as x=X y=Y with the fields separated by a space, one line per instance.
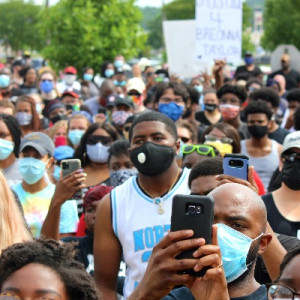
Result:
x=69 y=79
x=97 y=153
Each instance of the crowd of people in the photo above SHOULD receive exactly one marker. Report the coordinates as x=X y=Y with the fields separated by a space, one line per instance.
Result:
x=138 y=136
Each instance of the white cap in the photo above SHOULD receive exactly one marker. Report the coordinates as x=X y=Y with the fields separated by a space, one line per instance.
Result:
x=292 y=140
x=137 y=84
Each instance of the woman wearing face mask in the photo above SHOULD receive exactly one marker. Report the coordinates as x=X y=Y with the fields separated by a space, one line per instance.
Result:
x=88 y=88
x=10 y=139
x=211 y=114
x=77 y=126
x=47 y=84
x=30 y=81
x=27 y=115
x=93 y=152
x=58 y=133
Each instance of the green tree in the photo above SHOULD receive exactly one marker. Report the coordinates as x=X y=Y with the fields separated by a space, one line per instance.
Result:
x=281 y=23
x=18 y=20
x=185 y=10
x=88 y=32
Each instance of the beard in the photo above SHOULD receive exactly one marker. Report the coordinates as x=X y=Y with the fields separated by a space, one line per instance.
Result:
x=250 y=262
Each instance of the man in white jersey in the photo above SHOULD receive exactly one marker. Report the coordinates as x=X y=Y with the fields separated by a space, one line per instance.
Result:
x=136 y=215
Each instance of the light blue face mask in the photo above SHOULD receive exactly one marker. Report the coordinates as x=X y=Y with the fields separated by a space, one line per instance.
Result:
x=6 y=148
x=75 y=136
x=56 y=172
x=87 y=77
x=23 y=118
x=234 y=247
x=97 y=153
x=172 y=110
x=118 y=63
x=199 y=88
x=108 y=73
x=4 y=81
x=31 y=169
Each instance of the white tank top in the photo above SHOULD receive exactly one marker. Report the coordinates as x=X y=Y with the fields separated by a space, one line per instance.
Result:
x=138 y=225
x=264 y=166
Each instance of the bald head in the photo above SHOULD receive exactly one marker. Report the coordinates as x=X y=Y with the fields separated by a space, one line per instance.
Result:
x=237 y=199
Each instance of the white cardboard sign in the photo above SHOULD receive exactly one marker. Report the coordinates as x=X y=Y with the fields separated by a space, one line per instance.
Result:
x=218 y=30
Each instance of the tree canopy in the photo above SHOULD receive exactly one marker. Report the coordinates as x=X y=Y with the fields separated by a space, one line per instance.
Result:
x=18 y=25
x=88 y=32
x=281 y=23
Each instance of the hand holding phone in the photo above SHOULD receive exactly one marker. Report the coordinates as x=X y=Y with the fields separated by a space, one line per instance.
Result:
x=196 y=213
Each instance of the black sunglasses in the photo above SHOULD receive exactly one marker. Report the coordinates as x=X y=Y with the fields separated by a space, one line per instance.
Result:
x=94 y=139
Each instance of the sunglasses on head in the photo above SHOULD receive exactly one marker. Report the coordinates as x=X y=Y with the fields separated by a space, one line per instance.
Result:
x=94 y=139
x=212 y=138
x=201 y=149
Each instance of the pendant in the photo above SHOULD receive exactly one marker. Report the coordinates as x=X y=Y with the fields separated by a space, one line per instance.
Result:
x=159 y=202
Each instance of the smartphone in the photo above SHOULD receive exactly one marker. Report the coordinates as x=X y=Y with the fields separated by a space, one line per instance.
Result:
x=236 y=165
x=193 y=212
x=68 y=166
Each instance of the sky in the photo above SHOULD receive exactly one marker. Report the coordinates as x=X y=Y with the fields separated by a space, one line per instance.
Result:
x=156 y=3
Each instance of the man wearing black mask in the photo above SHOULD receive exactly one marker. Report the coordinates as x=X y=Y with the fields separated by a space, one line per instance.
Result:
x=137 y=214
x=283 y=204
x=263 y=152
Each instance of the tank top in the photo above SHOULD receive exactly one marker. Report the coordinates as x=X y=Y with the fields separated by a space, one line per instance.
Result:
x=266 y=165
x=138 y=225
x=277 y=221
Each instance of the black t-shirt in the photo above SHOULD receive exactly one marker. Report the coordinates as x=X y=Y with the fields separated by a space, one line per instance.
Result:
x=276 y=220
x=278 y=135
x=243 y=69
x=200 y=117
x=184 y=293
x=292 y=78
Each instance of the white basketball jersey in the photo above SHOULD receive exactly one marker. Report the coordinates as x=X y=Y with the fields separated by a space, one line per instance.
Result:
x=139 y=226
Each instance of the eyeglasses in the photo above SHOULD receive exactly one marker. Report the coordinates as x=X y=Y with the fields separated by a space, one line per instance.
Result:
x=279 y=291
x=212 y=138
x=201 y=149
x=291 y=157
x=43 y=80
x=94 y=139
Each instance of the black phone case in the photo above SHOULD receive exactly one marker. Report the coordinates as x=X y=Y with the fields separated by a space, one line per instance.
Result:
x=201 y=224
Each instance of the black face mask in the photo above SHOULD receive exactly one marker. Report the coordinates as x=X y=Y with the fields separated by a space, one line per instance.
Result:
x=257 y=131
x=210 y=107
x=291 y=174
x=59 y=117
x=151 y=159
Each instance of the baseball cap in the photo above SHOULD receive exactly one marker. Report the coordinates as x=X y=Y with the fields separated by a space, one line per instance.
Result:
x=292 y=140
x=125 y=101
x=72 y=92
x=63 y=152
x=70 y=69
x=39 y=141
x=136 y=84
x=110 y=100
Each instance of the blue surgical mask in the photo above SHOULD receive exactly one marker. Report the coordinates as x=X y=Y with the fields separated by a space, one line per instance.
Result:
x=249 y=60
x=31 y=169
x=119 y=83
x=120 y=176
x=75 y=136
x=46 y=86
x=234 y=247
x=4 y=81
x=23 y=118
x=6 y=148
x=97 y=153
x=56 y=172
x=172 y=110
x=108 y=73
x=118 y=63
x=87 y=77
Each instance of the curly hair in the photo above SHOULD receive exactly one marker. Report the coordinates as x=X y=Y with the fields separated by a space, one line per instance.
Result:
x=56 y=256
